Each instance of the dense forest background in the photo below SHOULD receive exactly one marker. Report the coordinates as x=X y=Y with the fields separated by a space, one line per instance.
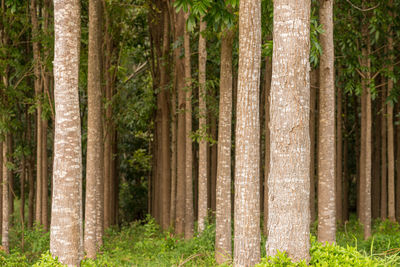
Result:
x=165 y=123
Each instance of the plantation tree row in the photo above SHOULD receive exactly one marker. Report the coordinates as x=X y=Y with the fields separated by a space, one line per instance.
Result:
x=261 y=115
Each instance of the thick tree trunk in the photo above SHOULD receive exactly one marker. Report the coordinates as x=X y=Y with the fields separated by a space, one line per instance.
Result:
x=326 y=129
x=181 y=134
x=189 y=214
x=223 y=243
x=94 y=155
x=66 y=219
x=289 y=184
x=247 y=146
x=203 y=161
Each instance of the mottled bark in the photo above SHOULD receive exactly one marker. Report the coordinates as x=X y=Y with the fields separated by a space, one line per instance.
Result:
x=223 y=242
x=247 y=137
x=189 y=214
x=289 y=182
x=66 y=215
x=203 y=161
x=94 y=158
x=326 y=129
x=181 y=134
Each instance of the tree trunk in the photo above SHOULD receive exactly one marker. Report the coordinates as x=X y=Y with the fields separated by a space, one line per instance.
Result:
x=165 y=122
x=314 y=84
x=181 y=134
x=66 y=219
x=339 y=157
x=390 y=144
x=94 y=155
x=6 y=189
x=31 y=180
x=189 y=215
x=289 y=184
x=45 y=179
x=326 y=129
x=247 y=147
x=268 y=73
x=203 y=161
x=223 y=243
x=376 y=167
x=213 y=158
x=38 y=91
x=384 y=198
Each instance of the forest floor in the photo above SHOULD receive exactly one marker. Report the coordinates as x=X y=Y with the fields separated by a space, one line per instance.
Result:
x=143 y=244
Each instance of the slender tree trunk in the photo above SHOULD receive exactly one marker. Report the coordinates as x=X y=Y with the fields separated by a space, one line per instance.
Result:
x=66 y=238
x=203 y=161
x=376 y=167
x=38 y=91
x=173 y=153
x=339 y=157
x=390 y=144
x=223 y=243
x=22 y=204
x=189 y=214
x=384 y=198
x=268 y=74
x=314 y=84
x=165 y=122
x=398 y=170
x=45 y=179
x=94 y=158
x=213 y=158
x=247 y=147
x=181 y=134
x=6 y=189
x=31 y=180
x=289 y=184
x=326 y=129
x=365 y=177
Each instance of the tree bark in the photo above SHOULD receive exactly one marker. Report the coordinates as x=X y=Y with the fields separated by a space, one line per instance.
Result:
x=181 y=134
x=390 y=144
x=339 y=157
x=203 y=161
x=247 y=148
x=94 y=155
x=223 y=243
x=189 y=214
x=314 y=85
x=326 y=129
x=6 y=189
x=66 y=219
x=268 y=74
x=289 y=184
x=384 y=198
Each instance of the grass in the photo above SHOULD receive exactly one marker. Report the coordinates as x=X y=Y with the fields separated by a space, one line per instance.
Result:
x=143 y=244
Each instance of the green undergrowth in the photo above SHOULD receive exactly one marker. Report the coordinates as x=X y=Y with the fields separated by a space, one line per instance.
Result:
x=143 y=244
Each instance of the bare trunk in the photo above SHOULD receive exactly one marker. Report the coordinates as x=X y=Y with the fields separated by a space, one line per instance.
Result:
x=247 y=137
x=289 y=184
x=339 y=157
x=95 y=157
x=314 y=84
x=223 y=243
x=213 y=159
x=181 y=134
x=31 y=180
x=6 y=189
x=189 y=214
x=326 y=130
x=66 y=219
x=390 y=145
x=45 y=179
x=268 y=73
x=203 y=161
x=383 y=128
